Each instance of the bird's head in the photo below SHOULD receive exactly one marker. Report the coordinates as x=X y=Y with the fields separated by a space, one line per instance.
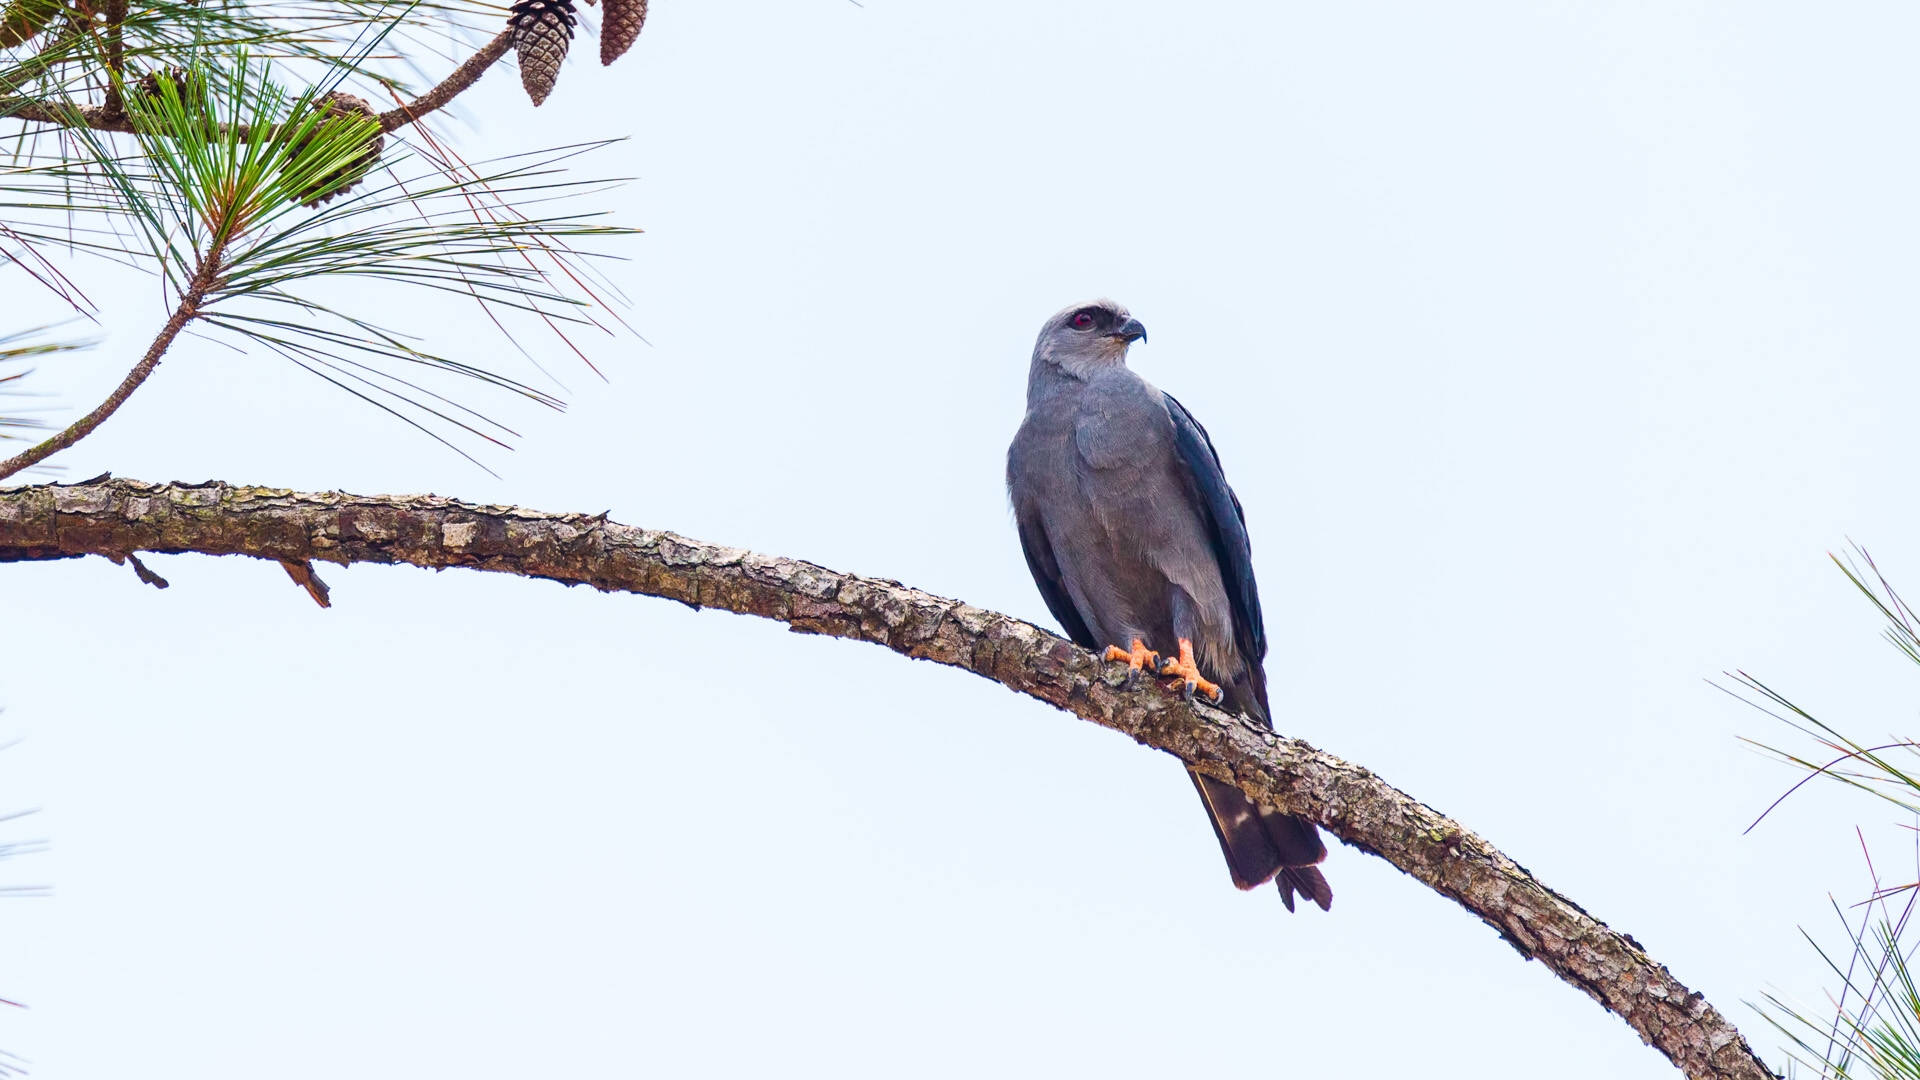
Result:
x=1088 y=336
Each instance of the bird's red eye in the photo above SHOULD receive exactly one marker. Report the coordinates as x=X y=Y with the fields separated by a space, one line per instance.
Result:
x=1082 y=321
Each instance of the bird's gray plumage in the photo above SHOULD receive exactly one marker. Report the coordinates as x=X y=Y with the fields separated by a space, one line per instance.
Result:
x=1132 y=532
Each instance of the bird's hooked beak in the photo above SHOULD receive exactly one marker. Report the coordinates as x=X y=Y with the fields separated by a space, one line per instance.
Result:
x=1131 y=331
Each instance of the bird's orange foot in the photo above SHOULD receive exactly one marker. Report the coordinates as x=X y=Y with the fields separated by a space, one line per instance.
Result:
x=1188 y=671
x=1137 y=657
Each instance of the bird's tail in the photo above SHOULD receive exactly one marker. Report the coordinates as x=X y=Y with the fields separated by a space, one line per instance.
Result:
x=1262 y=844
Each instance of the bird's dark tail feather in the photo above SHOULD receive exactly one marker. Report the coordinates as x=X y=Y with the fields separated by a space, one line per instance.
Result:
x=1261 y=844
x=1309 y=882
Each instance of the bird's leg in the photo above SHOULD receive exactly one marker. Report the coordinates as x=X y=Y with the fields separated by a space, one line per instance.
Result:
x=1137 y=657
x=1184 y=667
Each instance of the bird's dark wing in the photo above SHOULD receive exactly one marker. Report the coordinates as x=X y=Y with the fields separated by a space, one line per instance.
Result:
x=1259 y=842
x=1046 y=574
x=1227 y=527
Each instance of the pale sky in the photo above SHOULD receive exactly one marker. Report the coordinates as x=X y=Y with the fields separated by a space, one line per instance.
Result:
x=1549 y=347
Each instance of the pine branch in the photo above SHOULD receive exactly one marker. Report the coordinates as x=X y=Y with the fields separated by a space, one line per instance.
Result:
x=183 y=313
x=117 y=518
x=450 y=87
x=111 y=118
x=223 y=195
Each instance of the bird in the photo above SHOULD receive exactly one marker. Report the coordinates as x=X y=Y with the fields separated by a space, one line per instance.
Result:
x=1140 y=550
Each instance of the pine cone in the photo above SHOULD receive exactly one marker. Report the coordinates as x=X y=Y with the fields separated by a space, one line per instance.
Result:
x=346 y=177
x=185 y=85
x=542 y=30
x=620 y=24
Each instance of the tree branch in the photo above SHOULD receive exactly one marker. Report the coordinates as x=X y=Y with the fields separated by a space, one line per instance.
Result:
x=113 y=117
x=121 y=517
x=97 y=117
x=116 y=12
x=450 y=87
x=109 y=118
x=205 y=275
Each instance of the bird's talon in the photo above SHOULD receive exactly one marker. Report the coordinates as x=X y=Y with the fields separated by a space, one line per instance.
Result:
x=1137 y=657
x=1189 y=673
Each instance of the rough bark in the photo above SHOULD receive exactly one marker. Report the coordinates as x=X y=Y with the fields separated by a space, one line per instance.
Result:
x=117 y=518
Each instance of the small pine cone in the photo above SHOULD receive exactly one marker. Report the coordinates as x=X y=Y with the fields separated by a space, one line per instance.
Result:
x=346 y=177
x=542 y=30
x=620 y=24
x=185 y=86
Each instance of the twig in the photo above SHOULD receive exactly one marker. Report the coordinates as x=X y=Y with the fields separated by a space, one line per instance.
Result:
x=116 y=12
x=122 y=516
x=183 y=313
x=451 y=87
x=107 y=118
x=145 y=575
x=301 y=571
x=81 y=428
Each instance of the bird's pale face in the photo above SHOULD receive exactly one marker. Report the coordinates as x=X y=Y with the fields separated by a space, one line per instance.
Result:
x=1085 y=337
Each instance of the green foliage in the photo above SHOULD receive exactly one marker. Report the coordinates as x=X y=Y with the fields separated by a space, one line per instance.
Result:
x=15 y=349
x=79 y=49
x=1882 y=770
x=245 y=194
x=1870 y=1029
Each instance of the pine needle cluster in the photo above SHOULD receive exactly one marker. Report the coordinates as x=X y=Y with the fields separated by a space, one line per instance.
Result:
x=1869 y=1028
x=234 y=150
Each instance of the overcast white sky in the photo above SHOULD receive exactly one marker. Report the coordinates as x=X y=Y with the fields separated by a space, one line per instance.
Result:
x=1550 y=348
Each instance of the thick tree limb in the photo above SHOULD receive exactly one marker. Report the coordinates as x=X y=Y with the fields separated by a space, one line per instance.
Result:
x=121 y=517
